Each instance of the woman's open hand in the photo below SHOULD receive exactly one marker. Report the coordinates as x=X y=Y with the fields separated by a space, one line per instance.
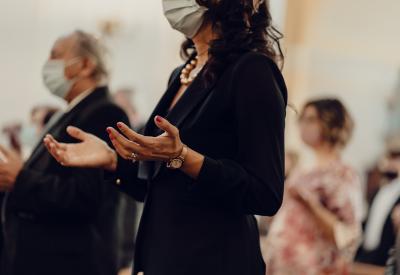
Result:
x=131 y=145
x=91 y=152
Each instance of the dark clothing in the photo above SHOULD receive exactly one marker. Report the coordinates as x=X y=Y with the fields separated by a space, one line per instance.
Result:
x=380 y=255
x=1 y=235
x=393 y=262
x=128 y=211
x=53 y=222
x=206 y=226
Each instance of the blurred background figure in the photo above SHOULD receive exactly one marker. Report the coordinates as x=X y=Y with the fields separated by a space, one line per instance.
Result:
x=59 y=220
x=32 y=131
x=124 y=98
x=318 y=228
x=22 y=137
x=380 y=228
x=11 y=136
x=291 y=162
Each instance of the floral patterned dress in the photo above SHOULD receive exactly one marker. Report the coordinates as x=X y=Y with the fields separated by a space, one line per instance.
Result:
x=297 y=245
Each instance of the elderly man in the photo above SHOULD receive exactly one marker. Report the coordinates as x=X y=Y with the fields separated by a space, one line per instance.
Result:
x=51 y=213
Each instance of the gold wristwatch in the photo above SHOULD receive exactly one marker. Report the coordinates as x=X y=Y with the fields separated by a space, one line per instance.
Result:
x=177 y=162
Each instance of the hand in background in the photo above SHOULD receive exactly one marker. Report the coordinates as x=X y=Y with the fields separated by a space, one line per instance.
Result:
x=11 y=164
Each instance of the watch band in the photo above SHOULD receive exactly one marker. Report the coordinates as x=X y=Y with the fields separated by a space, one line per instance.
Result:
x=184 y=153
x=172 y=163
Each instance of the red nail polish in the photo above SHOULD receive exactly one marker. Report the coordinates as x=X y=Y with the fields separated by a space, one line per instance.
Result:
x=108 y=131
x=158 y=119
x=119 y=124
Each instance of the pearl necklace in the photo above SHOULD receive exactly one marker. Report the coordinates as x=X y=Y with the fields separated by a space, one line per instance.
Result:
x=188 y=74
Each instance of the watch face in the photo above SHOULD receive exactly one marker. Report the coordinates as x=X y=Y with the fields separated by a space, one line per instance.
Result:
x=176 y=163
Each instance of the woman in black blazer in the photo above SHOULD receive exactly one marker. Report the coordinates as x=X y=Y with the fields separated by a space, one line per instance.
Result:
x=213 y=156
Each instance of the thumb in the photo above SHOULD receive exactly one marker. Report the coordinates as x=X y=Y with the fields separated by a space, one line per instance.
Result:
x=166 y=126
x=77 y=133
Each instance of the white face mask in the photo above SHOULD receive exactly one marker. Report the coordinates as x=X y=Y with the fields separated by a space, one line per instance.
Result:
x=28 y=135
x=185 y=16
x=54 y=77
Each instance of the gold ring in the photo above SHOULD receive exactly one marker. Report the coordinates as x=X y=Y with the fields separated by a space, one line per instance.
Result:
x=134 y=157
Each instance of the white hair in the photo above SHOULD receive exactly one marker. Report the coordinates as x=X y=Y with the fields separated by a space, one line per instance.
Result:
x=89 y=46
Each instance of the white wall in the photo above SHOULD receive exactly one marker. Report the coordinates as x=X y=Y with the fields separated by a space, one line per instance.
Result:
x=143 y=52
x=349 y=49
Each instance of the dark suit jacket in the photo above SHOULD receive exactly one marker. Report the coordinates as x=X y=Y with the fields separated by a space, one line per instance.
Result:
x=380 y=255
x=53 y=223
x=206 y=226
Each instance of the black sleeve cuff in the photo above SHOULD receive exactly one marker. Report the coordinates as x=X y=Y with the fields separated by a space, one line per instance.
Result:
x=208 y=177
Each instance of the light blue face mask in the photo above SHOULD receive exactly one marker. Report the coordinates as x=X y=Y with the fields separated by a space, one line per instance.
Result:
x=185 y=16
x=28 y=135
x=54 y=77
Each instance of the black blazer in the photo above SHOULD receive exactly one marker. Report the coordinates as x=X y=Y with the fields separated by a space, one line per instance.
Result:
x=206 y=226
x=55 y=215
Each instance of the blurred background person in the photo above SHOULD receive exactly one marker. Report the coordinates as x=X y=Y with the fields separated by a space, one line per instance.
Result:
x=317 y=229
x=11 y=136
x=32 y=131
x=379 y=229
x=291 y=162
x=59 y=220
x=124 y=98
x=19 y=136
x=22 y=137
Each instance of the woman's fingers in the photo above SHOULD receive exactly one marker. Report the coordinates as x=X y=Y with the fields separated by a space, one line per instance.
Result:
x=122 y=151
x=118 y=137
x=132 y=135
x=125 y=146
x=145 y=148
x=166 y=126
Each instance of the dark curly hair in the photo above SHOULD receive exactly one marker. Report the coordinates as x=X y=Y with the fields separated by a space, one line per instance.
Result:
x=239 y=27
x=336 y=122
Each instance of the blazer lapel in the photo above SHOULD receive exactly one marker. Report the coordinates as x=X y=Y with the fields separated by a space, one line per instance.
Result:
x=195 y=94
x=162 y=106
x=146 y=168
